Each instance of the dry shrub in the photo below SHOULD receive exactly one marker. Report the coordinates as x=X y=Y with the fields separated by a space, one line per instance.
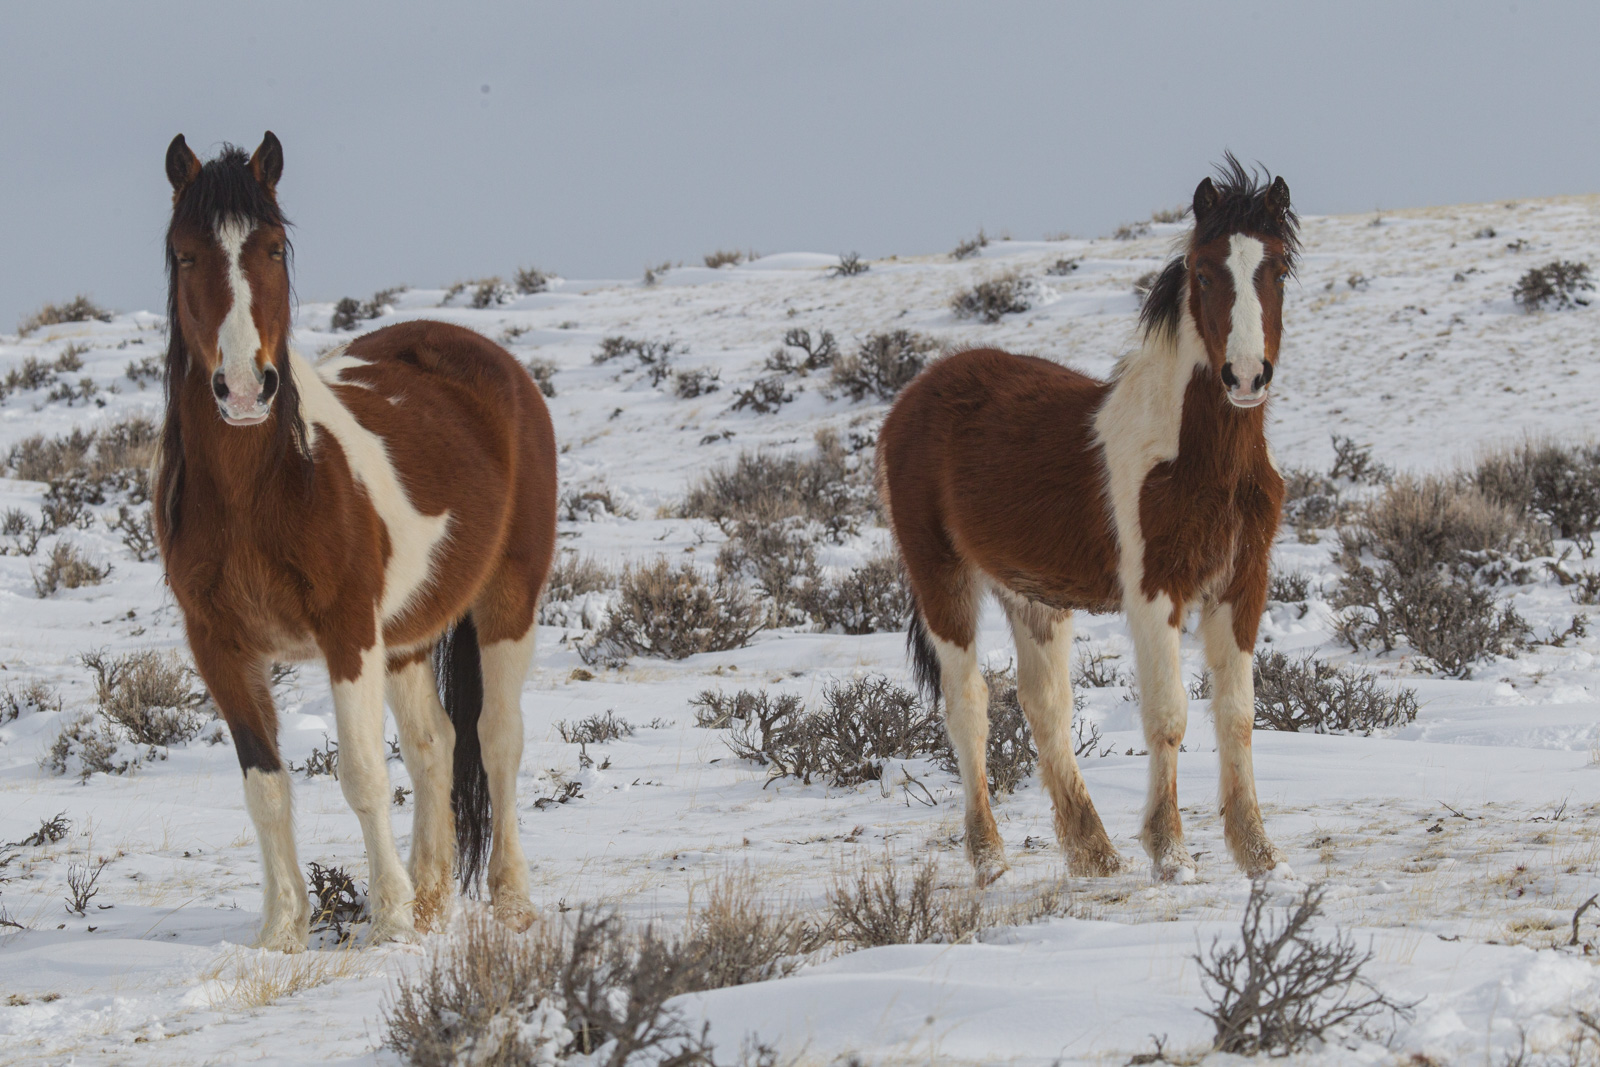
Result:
x=572 y=578
x=872 y=598
x=491 y=292
x=1547 y=482
x=86 y=745
x=584 y=986
x=149 y=694
x=531 y=280
x=883 y=364
x=25 y=698
x=850 y=264
x=1557 y=283
x=818 y=353
x=715 y=710
x=336 y=904
x=830 y=488
x=1417 y=560
x=970 y=247
x=723 y=258
x=79 y=309
x=762 y=396
x=1008 y=752
x=116 y=458
x=138 y=530
x=653 y=357
x=991 y=300
x=674 y=613
x=595 y=729
x=592 y=504
x=67 y=569
x=883 y=904
x=1281 y=988
x=1308 y=694
x=696 y=382
x=1288 y=588
x=861 y=724
x=349 y=312
x=543 y=373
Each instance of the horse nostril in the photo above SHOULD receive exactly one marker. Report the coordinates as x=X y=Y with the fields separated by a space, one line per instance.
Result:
x=269 y=384
x=1228 y=377
x=219 y=385
x=1266 y=373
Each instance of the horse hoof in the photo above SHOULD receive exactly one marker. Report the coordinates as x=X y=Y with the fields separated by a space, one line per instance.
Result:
x=516 y=913
x=430 y=907
x=987 y=871
x=282 y=940
x=1174 y=866
x=1093 y=864
x=392 y=928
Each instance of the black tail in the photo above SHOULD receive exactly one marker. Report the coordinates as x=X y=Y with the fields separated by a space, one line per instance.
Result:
x=924 y=660
x=460 y=672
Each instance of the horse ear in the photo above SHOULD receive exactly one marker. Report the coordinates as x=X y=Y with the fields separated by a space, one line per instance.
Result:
x=267 y=163
x=1205 y=198
x=182 y=166
x=1278 y=197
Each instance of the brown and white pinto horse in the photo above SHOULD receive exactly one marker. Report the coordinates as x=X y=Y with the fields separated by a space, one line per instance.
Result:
x=1151 y=493
x=390 y=506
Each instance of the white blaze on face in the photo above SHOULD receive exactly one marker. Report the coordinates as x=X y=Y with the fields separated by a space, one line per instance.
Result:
x=1247 y=343
x=238 y=339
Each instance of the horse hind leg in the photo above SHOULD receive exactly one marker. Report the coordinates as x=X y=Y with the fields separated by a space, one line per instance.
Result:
x=966 y=716
x=427 y=741
x=505 y=670
x=1044 y=687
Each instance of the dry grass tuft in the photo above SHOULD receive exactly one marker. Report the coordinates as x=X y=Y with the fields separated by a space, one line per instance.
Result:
x=884 y=904
x=67 y=568
x=149 y=694
x=79 y=309
x=253 y=978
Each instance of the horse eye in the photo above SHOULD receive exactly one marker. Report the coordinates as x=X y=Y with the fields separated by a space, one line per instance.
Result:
x=276 y=252
x=1284 y=277
x=1205 y=279
x=185 y=261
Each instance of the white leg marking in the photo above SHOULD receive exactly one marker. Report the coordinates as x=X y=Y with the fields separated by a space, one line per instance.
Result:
x=1164 y=708
x=413 y=536
x=505 y=670
x=1247 y=345
x=238 y=340
x=1044 y=688
x=285 y=908
x=427 y=743
x=1233 y=706
x=364 y=778
x=966 y=717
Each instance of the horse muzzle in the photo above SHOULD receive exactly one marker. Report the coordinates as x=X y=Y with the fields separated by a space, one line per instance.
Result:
x=249 y=406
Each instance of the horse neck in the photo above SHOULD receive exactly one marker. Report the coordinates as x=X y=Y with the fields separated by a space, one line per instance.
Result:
x=1166 y=393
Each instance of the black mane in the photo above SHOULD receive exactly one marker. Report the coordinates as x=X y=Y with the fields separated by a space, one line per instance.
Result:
x=226 y=188
x=1241 y=208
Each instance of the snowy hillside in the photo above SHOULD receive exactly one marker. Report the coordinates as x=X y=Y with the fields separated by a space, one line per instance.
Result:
x=1460 y=844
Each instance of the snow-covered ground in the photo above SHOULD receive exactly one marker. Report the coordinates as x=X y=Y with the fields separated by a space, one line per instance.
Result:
x=1460 y=845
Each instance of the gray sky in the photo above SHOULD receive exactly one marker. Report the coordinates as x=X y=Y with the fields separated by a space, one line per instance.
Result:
x=430 y=142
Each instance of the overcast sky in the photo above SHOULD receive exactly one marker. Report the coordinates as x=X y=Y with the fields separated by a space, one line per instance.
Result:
x=430 y=142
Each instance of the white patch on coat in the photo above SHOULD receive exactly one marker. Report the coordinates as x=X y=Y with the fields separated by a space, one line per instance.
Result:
x=413 y=536
x=1138 y=427
x=1247 y=343
x=237 y=338
x=336 y=361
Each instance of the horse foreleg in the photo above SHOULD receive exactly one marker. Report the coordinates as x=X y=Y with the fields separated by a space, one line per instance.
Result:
x=364 y=779
x=1164 y=708
x=238 y=683
x=505 y=670
x=966 y=718
x=427 y=741
x=1044 y=688
x=1233 y=705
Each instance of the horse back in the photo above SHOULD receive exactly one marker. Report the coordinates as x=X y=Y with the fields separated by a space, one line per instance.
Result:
x=990 y=459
